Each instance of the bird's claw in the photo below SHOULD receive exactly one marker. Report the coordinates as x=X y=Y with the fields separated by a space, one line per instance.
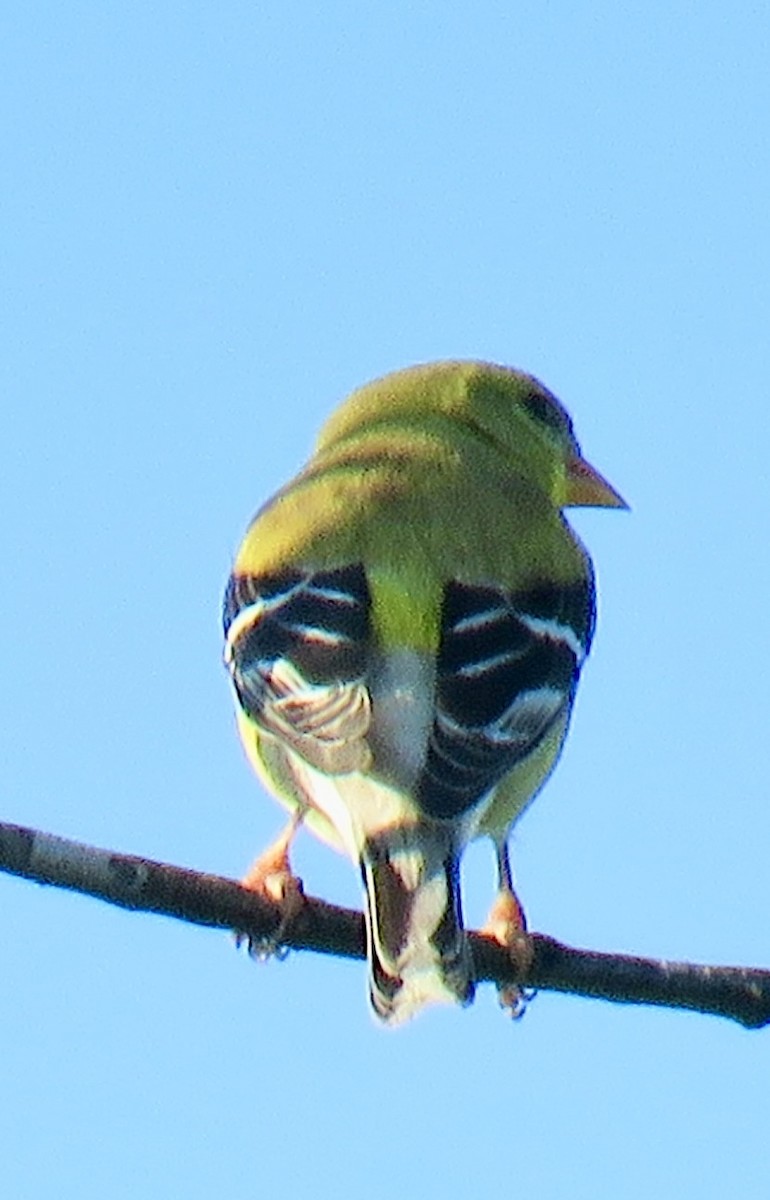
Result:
x=261 y=949
x=513 y=999
x=271 y=876
x=507 y=924
x=291 y=898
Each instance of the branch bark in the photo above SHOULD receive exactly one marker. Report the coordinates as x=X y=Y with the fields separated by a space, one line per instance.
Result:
x=740 y=993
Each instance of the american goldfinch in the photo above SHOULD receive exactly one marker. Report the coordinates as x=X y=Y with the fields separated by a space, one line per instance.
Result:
x=405 y=624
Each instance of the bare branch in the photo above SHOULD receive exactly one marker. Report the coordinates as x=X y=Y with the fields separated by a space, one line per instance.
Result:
x=741 y=993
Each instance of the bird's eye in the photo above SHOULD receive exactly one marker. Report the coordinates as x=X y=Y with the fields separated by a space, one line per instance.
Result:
x=546 y=411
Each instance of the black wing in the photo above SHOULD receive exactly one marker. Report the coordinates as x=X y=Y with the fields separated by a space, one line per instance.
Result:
x=507 y=670
x=297 y=651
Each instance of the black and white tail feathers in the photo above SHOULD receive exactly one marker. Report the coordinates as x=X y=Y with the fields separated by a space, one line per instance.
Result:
x=418 y=952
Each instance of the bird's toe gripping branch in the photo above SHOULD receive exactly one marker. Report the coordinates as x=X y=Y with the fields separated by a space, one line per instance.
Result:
x=271 y=876
x=507 y=924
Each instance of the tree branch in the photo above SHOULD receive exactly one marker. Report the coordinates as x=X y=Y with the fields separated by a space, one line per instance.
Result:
x=741 y=993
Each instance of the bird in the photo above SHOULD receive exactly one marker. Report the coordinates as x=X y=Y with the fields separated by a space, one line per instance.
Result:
x=405 y=625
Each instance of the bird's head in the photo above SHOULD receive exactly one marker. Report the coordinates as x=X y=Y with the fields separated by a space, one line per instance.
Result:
x=504 y=406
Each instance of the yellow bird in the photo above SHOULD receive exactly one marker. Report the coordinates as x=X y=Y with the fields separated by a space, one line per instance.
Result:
x=405 y=623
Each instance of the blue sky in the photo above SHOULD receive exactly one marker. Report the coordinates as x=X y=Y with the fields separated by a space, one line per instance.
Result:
x=216 y=220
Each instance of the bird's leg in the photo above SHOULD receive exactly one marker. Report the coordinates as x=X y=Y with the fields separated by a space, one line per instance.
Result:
x=272 y=877
x=507 y=924
x=506 y=920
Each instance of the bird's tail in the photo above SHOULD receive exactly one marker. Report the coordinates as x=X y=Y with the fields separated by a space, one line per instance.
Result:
x=418 y=951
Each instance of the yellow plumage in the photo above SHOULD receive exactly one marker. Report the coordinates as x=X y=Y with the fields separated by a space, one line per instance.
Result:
x=406 y=621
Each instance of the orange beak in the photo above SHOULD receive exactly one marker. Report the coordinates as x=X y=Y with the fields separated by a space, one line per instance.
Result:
x=588 y=489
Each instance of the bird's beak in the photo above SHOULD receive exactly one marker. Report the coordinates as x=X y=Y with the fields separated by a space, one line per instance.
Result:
x=588 y=489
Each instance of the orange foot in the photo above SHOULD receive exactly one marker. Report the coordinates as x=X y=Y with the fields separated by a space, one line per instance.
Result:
x=507 y=924
x=271 y=876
